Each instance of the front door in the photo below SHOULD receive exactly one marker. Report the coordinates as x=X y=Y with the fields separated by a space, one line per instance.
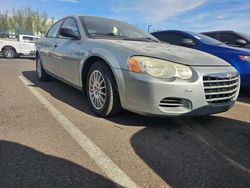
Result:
x=68 y=54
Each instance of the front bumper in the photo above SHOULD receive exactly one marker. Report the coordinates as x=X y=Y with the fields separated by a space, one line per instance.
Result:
x=148 y=96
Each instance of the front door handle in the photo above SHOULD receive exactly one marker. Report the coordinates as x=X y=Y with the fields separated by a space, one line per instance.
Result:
x=55 y=45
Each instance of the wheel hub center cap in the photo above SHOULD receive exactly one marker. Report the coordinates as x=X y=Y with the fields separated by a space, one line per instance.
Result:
x=96 y=90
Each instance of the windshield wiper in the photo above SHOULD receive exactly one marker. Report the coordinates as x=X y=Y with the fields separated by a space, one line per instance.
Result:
x=108 y=35
x=146 y=39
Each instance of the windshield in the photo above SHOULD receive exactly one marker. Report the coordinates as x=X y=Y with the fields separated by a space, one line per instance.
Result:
x=97 y=27
x=246 y=36
x=205 y=39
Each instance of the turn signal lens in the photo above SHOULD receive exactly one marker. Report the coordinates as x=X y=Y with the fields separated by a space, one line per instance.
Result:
x=245 y=58
x=134 y=65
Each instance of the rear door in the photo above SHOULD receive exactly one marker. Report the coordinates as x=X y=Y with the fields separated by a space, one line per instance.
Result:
x=68 y=53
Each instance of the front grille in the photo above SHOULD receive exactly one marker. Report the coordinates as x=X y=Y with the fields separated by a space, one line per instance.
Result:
x=220 y=88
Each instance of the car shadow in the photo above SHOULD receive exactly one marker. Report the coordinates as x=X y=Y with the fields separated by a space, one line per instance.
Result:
x=60 y=91
x=22 y=166
x=181 y=159
x=174 y=152
x=244 y=96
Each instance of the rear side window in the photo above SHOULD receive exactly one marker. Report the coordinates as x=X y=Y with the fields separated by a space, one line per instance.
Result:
x=28 y=39
x=228 y=38
x=172 y=38
x=54 y=30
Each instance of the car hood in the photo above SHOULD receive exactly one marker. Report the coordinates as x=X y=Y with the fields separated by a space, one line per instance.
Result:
x=243 y=51
x=170 y=52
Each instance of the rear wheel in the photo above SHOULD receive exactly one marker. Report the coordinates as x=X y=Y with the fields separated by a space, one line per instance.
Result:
x=40 y=72
x=9 y=53
x=101 y=90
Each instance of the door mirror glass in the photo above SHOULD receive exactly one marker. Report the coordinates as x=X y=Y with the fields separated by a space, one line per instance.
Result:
x=241 y=42
x=187 y=42
x=66 y=32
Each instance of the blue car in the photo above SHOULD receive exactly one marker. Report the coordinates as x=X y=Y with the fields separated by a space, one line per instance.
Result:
x=237 y=57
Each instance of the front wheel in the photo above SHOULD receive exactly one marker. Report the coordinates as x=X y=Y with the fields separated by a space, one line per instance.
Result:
x=101 y=89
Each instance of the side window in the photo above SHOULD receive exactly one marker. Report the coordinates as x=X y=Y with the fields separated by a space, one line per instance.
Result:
x=28 y=39
x=172 y=38
x=70 y=23
x=228 y=38
x=54 y=30
x=212 y=35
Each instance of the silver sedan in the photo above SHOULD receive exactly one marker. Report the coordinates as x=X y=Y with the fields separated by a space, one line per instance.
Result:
x=119 y=67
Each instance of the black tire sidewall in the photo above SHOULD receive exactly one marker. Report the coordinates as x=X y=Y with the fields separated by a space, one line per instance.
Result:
x=37 y=59
x=44 y=75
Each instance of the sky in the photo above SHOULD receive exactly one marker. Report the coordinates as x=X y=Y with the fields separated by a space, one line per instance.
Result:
x=188 y=15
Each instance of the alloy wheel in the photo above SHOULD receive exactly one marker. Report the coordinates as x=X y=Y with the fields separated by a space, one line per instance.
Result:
x=97 y=89
x=9 y=53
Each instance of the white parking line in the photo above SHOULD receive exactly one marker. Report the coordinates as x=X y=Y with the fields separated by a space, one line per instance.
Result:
x=109 y=168
x=205 y=142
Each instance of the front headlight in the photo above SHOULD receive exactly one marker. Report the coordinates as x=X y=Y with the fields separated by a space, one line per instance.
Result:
x=159 y=68
x=245 y=58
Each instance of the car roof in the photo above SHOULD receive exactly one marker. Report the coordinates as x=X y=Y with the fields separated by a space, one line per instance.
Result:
x=98 y=17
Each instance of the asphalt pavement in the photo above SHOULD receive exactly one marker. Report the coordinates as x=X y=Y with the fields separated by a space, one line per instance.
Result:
x=50 y=138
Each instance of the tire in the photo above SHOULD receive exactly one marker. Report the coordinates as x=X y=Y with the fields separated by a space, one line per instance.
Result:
x=102 y=93
x=40 y=72
x=9 y=53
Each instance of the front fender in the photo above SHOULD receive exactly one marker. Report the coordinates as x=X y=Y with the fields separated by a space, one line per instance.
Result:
x=116 y=61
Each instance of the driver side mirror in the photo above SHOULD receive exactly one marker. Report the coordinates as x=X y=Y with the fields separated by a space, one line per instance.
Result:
x=65 y=32
x=187 y=42
x=241 y=42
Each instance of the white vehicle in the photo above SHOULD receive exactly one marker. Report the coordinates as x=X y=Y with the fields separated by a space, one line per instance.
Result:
x=24 y=45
